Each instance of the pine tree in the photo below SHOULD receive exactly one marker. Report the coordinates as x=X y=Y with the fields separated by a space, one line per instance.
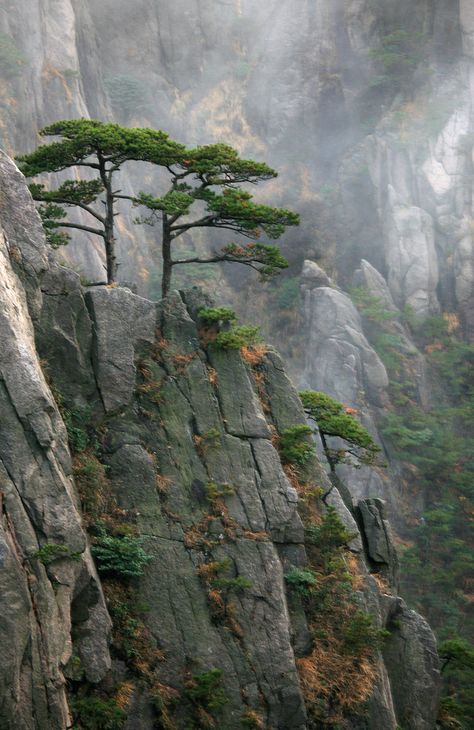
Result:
x=332 y=419
x=209 y=177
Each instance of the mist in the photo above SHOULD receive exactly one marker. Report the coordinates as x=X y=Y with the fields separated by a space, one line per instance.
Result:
x=366 y=110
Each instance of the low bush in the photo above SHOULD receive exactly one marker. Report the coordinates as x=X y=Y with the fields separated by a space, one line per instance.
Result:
x=94 y=713
x=295 y=448
x=301 y=580
x=237 y=337
x=217 y=315
x=51 y=551
x=206 y=690
x=121 y=556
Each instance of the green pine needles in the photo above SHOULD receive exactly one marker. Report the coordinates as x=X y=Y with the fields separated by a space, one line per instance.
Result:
x=296 y=445
x=203 y=191
x=332 y=419
x=122 y=556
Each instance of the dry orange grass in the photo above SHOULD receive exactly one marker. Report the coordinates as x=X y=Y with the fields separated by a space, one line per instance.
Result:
x=182 y=361
x=309 y=494
x=259 y=380
x=124 y=694
x=354 y=568
x=196 y=535
x=212 y=377
x=162 y=695
x=162 y=483
x=254 y=355
x=253 y=719
x=382 y=583
x=343 y=681
x=159 y=346
x=216 y=603
x=234 y=625
x=257 y=536
x=207 y=570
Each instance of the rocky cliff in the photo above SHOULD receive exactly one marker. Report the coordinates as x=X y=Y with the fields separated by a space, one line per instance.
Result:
x=175 y=450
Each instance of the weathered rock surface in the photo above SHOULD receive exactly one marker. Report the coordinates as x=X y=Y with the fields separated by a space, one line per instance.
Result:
x=412 y=646
x=166 y=416
x=380 y=550
x=340 y=361
x=375 y=285
x=122 y=322
x=38 y=503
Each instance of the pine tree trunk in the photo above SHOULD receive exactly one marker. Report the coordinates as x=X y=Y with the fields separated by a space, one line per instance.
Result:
x=110 y=256
x=109 y=237
x=327 y=453
x=167 y=262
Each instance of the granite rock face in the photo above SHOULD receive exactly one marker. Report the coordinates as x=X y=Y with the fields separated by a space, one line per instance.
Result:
x=412 y=647
x=188 y=438
x=340 y=361
x=39 y=504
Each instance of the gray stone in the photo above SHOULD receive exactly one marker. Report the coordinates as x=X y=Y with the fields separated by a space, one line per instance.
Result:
x=122 y=321
x=369 y=278
x=242 y=412
x=39 y=504
x=340 y=361
x=376 y=529
x=313 y=276
x=64 y=336
x=334 y=499
x=413 y=665
x=412 y=261
x=23 y=233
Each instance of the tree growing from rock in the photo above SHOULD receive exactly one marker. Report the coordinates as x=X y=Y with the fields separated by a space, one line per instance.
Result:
x=204 y=192
x=102 y=149
x=333 y=419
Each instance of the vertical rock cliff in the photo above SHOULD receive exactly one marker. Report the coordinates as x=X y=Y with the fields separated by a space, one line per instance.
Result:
x=40 y=509
x=174 y=445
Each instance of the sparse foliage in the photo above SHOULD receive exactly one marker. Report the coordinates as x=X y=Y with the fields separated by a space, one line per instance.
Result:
x=102 y=149
x=295 y=446
x=209 y=178
x=234 y=339
x=332 y=419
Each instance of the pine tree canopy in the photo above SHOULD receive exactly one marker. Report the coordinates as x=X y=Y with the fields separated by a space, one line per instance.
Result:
x=203 y=181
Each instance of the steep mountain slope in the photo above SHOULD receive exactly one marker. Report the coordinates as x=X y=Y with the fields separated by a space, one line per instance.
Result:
x=174 y=452
x=366 y=108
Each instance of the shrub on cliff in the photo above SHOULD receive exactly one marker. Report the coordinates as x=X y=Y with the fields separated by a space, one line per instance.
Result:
x=123 y=556
x=333 y=419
